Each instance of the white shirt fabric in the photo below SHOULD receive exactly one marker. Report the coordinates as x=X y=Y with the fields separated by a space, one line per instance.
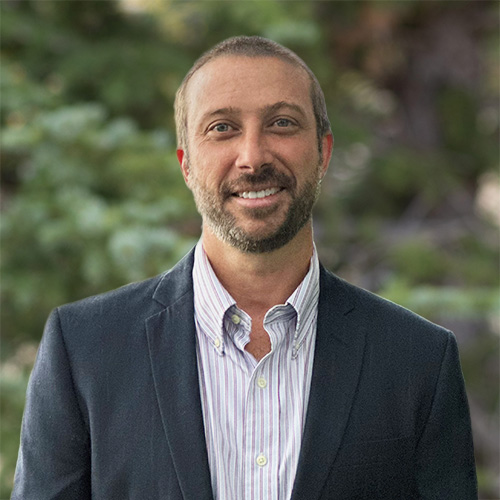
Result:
x=253 y=411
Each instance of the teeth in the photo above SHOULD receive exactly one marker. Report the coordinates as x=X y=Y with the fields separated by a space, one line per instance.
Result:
x=258 y=194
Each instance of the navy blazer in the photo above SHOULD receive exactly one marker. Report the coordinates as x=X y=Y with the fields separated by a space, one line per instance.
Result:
x=113 y=407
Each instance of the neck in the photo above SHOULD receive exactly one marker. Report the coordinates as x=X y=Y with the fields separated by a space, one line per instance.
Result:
x=260 y=281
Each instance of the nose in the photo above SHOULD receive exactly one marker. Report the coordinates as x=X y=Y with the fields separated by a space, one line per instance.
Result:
x=253 y=151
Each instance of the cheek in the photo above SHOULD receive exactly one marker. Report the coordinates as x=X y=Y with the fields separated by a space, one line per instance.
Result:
x=211 y=166
x=220 y=160
x=204 y=176
x=302 y=148
x=304 y=162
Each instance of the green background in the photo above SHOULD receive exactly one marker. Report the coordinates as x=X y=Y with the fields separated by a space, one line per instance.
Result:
x=93 y=198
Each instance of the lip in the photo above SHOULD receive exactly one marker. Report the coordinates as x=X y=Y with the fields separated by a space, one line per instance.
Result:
x=261 y=201
x=253 y=193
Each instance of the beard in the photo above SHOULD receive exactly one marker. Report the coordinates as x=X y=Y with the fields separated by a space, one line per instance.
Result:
x=224 y=225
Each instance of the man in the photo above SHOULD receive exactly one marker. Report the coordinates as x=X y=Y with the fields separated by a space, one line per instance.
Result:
x=247 y=371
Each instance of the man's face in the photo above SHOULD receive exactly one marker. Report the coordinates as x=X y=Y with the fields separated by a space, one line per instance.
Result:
x=253 y=165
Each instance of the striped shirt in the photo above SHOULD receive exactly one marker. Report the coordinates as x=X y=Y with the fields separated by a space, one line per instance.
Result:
x=254 y=411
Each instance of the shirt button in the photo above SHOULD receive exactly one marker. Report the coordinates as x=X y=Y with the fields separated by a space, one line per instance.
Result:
x=261 y=460
x=262 y=382
x=217 y=342
x=235 y=319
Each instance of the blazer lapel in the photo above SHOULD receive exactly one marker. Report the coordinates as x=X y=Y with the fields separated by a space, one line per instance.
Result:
x=337 y=364
x=172 y=348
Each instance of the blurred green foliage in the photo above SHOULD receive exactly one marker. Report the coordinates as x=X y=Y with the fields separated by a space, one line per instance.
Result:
x=92 y=196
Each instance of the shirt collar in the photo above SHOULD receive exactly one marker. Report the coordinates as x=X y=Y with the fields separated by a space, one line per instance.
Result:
x=212 y=301
x=305 y=301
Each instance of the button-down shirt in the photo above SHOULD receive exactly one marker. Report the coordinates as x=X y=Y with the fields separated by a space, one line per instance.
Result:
x=254 y=411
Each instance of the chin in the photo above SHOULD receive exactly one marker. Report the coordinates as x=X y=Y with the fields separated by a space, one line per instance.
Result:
x=262 y=241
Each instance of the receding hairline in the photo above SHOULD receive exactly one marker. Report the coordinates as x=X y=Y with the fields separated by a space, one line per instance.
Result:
x=248 y=46
x=224 y=55
x=244 y=56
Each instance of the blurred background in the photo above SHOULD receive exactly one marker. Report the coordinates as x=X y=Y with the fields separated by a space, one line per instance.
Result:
x=92 y=196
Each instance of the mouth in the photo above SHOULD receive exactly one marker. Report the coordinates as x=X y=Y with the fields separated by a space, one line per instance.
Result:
x=263 y=193
x=259 y=189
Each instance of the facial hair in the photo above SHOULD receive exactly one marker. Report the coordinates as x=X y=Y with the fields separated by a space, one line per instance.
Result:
x=224 y=225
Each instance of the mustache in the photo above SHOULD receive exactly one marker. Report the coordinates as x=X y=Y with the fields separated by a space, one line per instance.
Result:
x=266 y=175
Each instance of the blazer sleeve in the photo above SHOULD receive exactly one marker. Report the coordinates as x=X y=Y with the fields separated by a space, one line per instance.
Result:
x=445 y=456
x=54 y=456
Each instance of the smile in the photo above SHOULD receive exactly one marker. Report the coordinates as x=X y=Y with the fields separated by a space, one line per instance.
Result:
x=258 y=194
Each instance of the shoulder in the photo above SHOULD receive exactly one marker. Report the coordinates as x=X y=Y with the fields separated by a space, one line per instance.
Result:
x=123 y=301
x=381 y=318
x=134 y=300
x=112 y=326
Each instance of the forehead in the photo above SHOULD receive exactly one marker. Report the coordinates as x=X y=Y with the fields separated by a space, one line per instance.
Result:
x=247 y=83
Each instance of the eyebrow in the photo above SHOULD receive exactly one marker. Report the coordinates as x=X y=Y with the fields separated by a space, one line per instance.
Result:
x=220 y=111
x=283 y=105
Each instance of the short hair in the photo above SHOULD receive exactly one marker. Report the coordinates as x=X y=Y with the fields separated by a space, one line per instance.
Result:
x=251 y=46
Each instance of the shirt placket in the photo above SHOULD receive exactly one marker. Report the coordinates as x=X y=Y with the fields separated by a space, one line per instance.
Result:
x=262 y=432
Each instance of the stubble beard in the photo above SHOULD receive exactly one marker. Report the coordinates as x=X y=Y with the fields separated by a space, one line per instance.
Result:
x=225 y=226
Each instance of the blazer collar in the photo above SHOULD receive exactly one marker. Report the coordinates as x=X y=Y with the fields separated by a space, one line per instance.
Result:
x=337 y=365
x=176 y=282
x=171 y=339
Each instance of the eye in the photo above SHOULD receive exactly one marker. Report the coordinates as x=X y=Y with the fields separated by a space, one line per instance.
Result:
x=283 y=122
x=221 y=127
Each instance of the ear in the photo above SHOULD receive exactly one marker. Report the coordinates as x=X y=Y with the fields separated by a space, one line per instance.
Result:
x=182 y=158
x=327 y=143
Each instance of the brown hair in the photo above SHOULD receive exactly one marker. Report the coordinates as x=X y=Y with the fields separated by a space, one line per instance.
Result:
x=251 y=46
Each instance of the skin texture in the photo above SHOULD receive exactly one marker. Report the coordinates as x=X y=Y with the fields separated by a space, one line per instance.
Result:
x=251 y=128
